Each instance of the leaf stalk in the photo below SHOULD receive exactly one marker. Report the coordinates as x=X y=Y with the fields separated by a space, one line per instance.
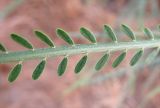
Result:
x=77 y=49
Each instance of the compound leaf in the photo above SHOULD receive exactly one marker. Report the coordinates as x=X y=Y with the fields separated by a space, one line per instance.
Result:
x=2 y=48
x=87 y=34
x=62 y=66
x=136 y=57
x=22 y=41
x=149 y=33
x=119 y=59
x=64 y=35
x=44 y=37
x=81 y=64
x=110 y=33
x=127 y=30
x=38 y=70
x=102 y=62
x=14 y=73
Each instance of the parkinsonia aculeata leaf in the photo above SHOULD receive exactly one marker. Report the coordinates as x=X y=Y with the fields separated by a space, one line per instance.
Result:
x=102 y=61
x=38 y=70
x=22 y=41
x=136 y=57
x=127 y=30
x=44 y=37
x=110 y=33
x=62 y=66
x=119 y=59
x=149 y=33
x=81 y=64
x=13 y=75
x=87 y=34
x=65 y=36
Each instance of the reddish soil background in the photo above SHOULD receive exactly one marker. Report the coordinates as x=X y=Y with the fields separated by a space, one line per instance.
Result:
x=47 y=92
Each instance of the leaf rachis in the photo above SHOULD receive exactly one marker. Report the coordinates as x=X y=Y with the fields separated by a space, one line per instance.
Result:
x=96 y=47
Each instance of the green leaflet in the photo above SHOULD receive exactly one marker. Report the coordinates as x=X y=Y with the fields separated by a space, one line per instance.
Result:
x=136 y=57
x=14 y=73
x=128 y=32
x=44 y=37
x=38 y=70
x=21 y=41
x=152 y=56
x=62 y=66
x=64 y=35
x=110 y=33
x=119 y=59
x=149 y=33
x=81 y=64
x=102 y=61
x=2 y=48
x=87 y=34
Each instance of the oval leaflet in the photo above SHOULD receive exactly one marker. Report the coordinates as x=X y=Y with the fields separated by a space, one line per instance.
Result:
x=81 y=64
x=149 y=33
x=22 y=41
x=128 y=32
x=13 y=75
x=110 y=33
x=62 y=66
x=38 y=70
x=136 y=57
x=64 y=35
x=87 y=34
x=44 y=37
x=102 y=61
x=119 y=59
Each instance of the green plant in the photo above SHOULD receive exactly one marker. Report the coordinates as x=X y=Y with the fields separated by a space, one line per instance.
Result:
x=72 y=49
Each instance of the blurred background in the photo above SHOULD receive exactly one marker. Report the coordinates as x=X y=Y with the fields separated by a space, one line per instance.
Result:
x=123 y=87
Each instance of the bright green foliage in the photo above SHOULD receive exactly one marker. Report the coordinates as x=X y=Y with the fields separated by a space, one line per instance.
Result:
x=136 y=57
x=44 y=37
x=149 y=33
x=38 y=70
x=119 y=59
x=102 y=61
x=87 y=34
x=21 y=41
x=81 y=64
x=110 y=33
x=14 y=73
x=62 y=66
x=64 y=35
x=2 y=48
x=21 y=56
x=127 y=30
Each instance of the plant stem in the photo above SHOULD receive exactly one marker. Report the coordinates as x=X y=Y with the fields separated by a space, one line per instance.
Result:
x=77 y=49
